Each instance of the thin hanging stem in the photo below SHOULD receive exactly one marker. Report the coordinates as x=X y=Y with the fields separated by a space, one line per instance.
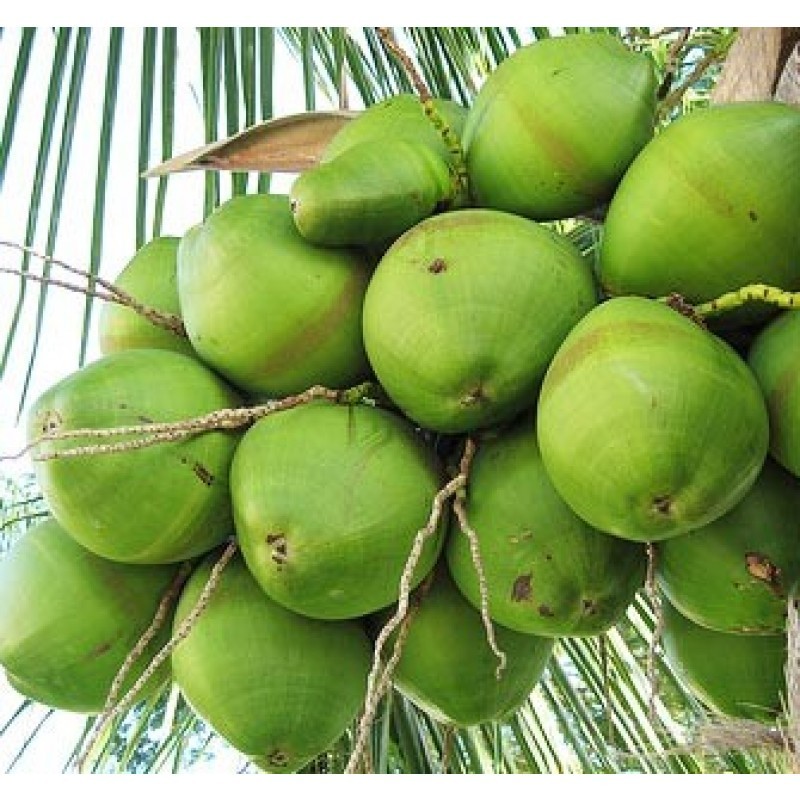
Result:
x=449 y=137
x=183 y=630
x=113 y=294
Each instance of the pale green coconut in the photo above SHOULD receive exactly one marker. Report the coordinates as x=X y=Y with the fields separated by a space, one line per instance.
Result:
x=266 y=309
x=68 y=620
x=327 y=501
x=465 y=312
x=447 y=667
x=733 y=674
x=649 y=426
x=280 y=687
x=735 y=574
x=710 y=205
x=150 y=277
x=401 y=117
x=547 y=572
x=381 y=174
x=773 y=360
x=158 y=504
x=555 y=126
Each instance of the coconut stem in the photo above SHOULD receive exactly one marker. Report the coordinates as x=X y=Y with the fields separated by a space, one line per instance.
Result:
x=380 y=677
x=153 y=433
x=164 y=607
x=459 y=507
x=449 y=137
x=182 y=631
x=754 y=292
x=112 y=294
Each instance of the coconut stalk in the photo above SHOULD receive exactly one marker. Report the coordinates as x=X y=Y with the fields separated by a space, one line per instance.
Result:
x=762 y=64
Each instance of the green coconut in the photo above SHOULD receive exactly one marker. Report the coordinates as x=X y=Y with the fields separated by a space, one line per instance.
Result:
x=709 y=206
x=649 y=426
x=327 y=501
x=68 y=620
x=156 y=504
x=734 y=674
x=281 y=688
x=151 y=278
x=447 y=667
x=400 y=117
x=464 y=313
x=547 y=571
x=734 y=575
x=372 y=193
x=269 y=311
x=555 y=126
x=773 y=359
x=381 y=174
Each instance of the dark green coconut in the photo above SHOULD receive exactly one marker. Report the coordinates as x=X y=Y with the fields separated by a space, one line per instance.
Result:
x=773 y=359
x=709 y=206
x=734 y=575
x=281 y=688
x=554 y=127
x=269 y=311
x=151 y=278
x=649 y=426
x=153 y=505
x=464 y=313
x=68 y=620
x=327 y=501
x=734 y=674
x=547 y=571
x=447 y=667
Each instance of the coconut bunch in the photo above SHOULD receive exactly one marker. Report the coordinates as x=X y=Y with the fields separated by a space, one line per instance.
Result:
x=413 y=300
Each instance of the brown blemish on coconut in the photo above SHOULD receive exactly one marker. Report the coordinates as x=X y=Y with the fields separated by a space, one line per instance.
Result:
x=523 y=536
x=437 y=266
x=521 y=590
x=761 y=568
x=98 y=651
x=279 y=553
x=51 y=421
x=545 y=611
x=588 y=607
x=662 y=504
x=277 y=758
x=202 y=473
x=473 y=397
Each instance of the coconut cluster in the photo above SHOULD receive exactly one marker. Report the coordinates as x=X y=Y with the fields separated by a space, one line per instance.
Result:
x=445 y=279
